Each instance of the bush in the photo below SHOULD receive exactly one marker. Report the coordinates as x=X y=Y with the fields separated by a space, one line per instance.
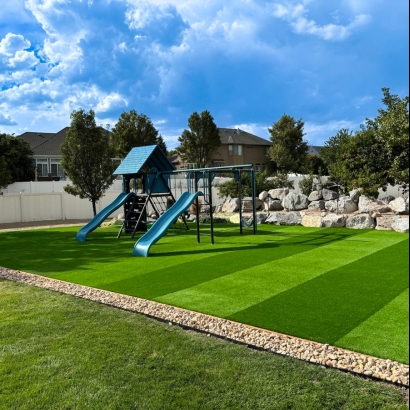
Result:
x=262 y=181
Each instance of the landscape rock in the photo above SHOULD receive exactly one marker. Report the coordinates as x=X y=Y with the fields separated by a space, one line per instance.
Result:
x=317 y=205
x=346 y=205
x=385 y=222
x=399 y=205
x=355 y=195
x=273 y=204
x=401 y=225
x=263 y=195
x=312 y=220
x=334 y=221
x=387 y=199
x=331 y=205
x=367 y=205
x=231 y=205
x=278 y=193
x=327 y=194
x=260 y=219
x=295 y=202
x=247 y=203
x=218 y=208
x=315 y=196
x=284 y=218
x=361 y=221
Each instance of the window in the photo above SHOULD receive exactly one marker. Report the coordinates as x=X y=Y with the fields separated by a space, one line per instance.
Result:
x=56 y=169
x=266 y=150
x=42 y=169
x=235 y=149
x=257 y=167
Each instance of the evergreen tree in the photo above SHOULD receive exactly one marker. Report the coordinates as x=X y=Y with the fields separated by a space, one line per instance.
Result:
x=288 y=149
x=134 y=130
x=16 y=164
x=87 y=157
x=200 y=142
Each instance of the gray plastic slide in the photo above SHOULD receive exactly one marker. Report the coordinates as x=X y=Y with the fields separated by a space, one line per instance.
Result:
x=102 y=215
x=161 y=226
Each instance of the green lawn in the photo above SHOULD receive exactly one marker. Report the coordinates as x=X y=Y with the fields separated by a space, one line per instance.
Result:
x=61 y=352
x=348 y=288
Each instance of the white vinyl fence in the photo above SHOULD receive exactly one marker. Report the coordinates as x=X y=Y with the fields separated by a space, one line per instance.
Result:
x=47 y=201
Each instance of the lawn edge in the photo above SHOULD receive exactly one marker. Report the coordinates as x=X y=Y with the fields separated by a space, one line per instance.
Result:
x=274 y=342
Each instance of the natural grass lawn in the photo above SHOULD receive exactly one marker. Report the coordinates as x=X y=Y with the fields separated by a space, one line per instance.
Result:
x=60 y=352
x=344 y=287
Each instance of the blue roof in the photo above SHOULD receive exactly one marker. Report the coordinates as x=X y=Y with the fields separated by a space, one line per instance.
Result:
x=150 y=155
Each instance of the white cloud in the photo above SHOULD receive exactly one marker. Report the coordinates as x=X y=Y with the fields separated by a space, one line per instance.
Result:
x=13 y=43
x=318 y=134
x=109 y=102
x=296 y=16
x=23 y=59
x=6 y=120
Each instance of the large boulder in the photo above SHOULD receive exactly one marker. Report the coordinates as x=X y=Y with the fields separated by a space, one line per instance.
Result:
x=231 y=205
x=247 y=203
x=399 y=205
x=385 y=222
x=334 y=221
x=327 y=194
x=317 y=205
x=367 y=205
x=355 y=195
x=278 y=193
x=260 y=219
x=284 y=218
x=315 y=196
x=361 y=221
x=263 y=195
x=295 y=202
x=272 y=204
x=312 y=220
x=346 y=205
x=401 y=225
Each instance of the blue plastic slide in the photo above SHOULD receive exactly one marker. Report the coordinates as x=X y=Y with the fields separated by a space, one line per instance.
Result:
x=102 y=215
x=160 y=227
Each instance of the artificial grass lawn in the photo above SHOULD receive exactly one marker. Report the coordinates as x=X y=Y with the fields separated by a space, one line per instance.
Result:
x=335 y=285
x=60 y=352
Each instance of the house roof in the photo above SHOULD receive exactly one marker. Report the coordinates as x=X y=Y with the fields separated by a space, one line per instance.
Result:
x=314 y=150
x=238 y=136
x=150 y=155
x=45 y=143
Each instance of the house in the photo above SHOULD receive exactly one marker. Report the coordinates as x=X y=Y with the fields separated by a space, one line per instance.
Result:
x=47 y=156
x=237 y=147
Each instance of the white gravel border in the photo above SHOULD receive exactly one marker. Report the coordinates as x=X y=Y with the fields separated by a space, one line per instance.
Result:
x=306 y=350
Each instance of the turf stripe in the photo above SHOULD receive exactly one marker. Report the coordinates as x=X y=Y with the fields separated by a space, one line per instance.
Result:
x=228 y=294
x=328 y=307
x=385 y=334
x=166 y=280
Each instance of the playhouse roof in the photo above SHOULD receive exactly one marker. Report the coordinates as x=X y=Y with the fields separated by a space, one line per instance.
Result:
x=150 y=155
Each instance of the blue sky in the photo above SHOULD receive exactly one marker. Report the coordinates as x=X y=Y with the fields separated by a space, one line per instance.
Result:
x=248 y=62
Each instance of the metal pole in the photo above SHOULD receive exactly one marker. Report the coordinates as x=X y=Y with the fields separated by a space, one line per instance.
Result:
x=240 y=201
x=198 y=236
x=210 y=205
x=253 y=200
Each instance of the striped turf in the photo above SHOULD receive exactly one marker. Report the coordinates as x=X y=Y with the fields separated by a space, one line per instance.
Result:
x=339 y=286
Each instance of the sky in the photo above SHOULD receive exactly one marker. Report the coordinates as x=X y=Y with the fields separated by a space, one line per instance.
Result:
x=247 y=62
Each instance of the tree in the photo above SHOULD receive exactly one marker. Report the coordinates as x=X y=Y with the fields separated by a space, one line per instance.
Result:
x=288 y=149
x=134 y=130
x=391 y=129
x=202 y=140
x=377 y=154
x=87 y=157
x=332 y=155
x=16 y=162
x=162 y=145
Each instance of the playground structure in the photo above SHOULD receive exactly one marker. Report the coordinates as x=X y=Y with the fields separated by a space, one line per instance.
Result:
x=146 y=173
